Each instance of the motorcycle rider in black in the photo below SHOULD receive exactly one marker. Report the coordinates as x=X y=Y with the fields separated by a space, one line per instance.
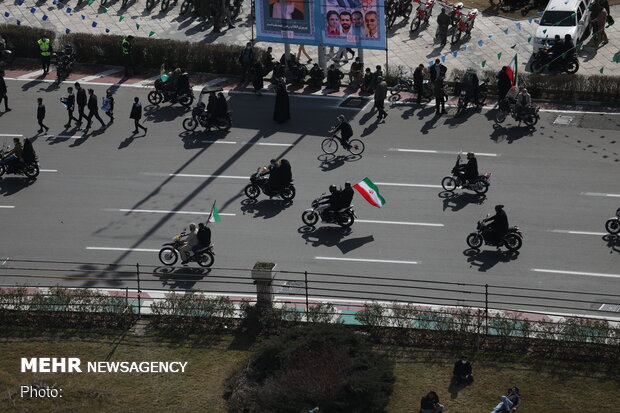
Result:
x=345 y=130
x=471 y=86
x=331 y=201
x=496 y=226
x=204 y=237
x=468 y=171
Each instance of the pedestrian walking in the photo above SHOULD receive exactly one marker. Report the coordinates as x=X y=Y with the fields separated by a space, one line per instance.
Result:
x=136 y=115
x=439 y=97
x=69 y=103
x=246 y=59
x=380 y=95
x=81 y=100
x=418 y=81
x=601 y=21
x=127 y=50
x=503 y=83
x=45 y=50
x=281 y=111
x=3 y=92
x=41 y=115
x=302 y=49
x=375 y=76
x=107 y=105
x=93 y=109
x=257 y=80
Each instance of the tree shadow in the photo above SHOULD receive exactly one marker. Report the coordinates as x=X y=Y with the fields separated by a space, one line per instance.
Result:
x=485 y=260
x=182 y=278
x=12 y=185
x=264 y=208
x=457 y=201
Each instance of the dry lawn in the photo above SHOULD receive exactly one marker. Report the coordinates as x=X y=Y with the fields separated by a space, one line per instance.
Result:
x=546 y=386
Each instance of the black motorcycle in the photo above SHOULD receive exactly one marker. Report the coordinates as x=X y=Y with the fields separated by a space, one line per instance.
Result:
x=344 y=217
x=612 y=225
x=200 y=117
x=395 y=9
x=545 y=58
x=465 y=99
x=508 y=106
x=259 y=182
x=19 y=167
x=480 y=185
x=165 y=91
x=513 y=239
x=64 y=61
x=170 y=253
x=6 y=55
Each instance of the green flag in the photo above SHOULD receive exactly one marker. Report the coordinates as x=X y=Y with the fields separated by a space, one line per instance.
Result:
x=484 y=62
x=499 y=55
x=90 y=2
x=616 y=58
x=529 y=39
x=151 y=33
x=601 y=71
x=513 y=46
x=105 y=9
x=545 y=31
x=137 y=26
x=121 y=19
x=214 y=216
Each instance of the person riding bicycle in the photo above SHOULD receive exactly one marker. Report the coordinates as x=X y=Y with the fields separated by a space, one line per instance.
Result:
x=346 y=131
x=523 y=102
x=470 y=84
x=468 y=171
x=496 y=226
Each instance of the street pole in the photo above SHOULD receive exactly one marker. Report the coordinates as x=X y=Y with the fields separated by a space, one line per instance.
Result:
x=287 y=55
x=322 y=58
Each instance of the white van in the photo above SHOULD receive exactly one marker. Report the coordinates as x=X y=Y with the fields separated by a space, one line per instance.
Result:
x=563 y=17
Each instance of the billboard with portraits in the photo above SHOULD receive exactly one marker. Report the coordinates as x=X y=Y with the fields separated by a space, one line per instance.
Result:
x=349 y=23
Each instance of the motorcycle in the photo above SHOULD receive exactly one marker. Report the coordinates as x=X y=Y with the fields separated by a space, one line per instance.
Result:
x=406 y=84
x=423 y=13
x=344 y=217
x=170 y=253
x=6 y=55
x=455 y=13
x=613 y=224
x=480 y=185
x=395 y=9
x=200 y=117
x=259 y=182
x=513 y=239
x=464 y=25
x=165 y=91
x=508 y=106
x=464 y=98
x=64 y=63
x=545 y=58
x=19 y=167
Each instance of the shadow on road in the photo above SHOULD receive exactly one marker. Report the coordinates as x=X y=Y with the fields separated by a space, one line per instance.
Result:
x=327 y=236
x=613 y=242
x=329 y=162
x=182 y=278
x=264 y=208
x=458 y=201
x=511 y=134
x=485 y=260
x=12 y=185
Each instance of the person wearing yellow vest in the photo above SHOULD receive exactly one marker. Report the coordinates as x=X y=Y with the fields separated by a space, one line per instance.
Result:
x=127 y=51
x=45 y=49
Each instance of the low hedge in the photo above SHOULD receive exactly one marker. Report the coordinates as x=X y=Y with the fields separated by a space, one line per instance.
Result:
x=148 y=52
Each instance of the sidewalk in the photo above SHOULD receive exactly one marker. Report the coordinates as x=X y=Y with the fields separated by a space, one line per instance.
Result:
x=491 y=36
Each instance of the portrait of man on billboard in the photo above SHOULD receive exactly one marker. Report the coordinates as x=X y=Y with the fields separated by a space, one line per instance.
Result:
x=286 y=9
x=345 y=22
x=333 y=23
x=371 y=21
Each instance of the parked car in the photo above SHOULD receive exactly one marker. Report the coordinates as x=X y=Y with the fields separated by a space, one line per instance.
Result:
x=563 y=17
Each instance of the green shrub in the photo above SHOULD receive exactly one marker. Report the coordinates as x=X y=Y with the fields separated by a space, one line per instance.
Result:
x=327 y=366
x=188 y=312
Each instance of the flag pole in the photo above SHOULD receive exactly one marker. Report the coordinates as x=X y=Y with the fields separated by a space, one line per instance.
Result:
x=211 y=213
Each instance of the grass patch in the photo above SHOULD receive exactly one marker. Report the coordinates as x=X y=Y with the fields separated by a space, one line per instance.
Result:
x=546 y=385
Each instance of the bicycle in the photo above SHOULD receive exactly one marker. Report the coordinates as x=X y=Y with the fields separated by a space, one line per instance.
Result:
x=330 y=145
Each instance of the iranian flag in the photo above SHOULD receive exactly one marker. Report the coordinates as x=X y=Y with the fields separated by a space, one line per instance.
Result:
x=512 y=71
x=214 y=216
x=370 y=192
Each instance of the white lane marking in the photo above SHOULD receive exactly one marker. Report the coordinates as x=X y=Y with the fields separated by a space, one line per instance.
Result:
x=64 y=136
x=565 y=231
x=122 y=249
x=99 y=75
x=269 y=144
x=158 y=211
x=146 y=82
x=599 y=194
x=589 y=274
x=7 y=206
x=10 y=135
x=409 y=185
x=196 y=176
x=365 y=260
x=211 y=141
x=441 y=152
x=48 y=170
x=30 y=75
x=422 y=224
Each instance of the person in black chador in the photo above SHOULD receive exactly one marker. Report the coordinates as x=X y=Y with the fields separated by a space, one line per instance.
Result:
x=281 y=112
x=469 y=170
x=496 y=226
x=503 y=83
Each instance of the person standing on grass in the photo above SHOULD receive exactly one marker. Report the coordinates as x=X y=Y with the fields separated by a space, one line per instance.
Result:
x=41 y=115
x=93 y=110
x=136 y=115
x=3 y=92
x=69 y=102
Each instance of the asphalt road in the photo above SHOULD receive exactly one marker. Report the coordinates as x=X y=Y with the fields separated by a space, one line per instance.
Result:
x=107 y=197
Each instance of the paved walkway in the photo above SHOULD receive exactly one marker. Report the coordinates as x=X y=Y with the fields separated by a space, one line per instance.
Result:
x=491 y=36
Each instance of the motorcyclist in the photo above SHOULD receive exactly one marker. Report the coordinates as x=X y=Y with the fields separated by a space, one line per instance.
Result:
x=316 y=75
x=496 y=226
x=331 y=201
x=14 y=154
x=212 y=107
x=334 y=75
x=182 y=83
x=191 y=239
x=470 y=85
x=558 y=47
x=346 y=196
x=345 y=129
x=221 y=106
x=204 y=237
x=28 y=153
x=468 y=171
x=524 y=101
